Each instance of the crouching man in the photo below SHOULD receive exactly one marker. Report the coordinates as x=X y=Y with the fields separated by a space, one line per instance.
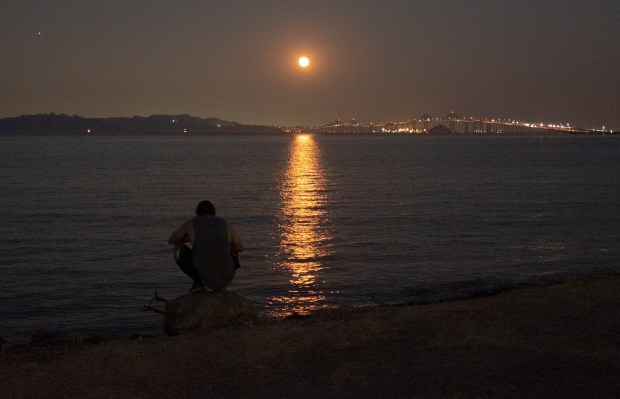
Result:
x=212 y=259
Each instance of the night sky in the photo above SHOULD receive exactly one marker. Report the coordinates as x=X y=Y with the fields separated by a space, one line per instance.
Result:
x=537 y=61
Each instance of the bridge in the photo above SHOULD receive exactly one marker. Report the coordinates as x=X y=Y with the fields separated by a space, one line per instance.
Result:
x=450 y=124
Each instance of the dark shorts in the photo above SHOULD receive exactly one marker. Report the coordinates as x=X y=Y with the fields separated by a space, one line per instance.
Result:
x=185 y=262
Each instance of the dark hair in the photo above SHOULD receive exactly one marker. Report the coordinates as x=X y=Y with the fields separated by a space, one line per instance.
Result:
x=205 y=208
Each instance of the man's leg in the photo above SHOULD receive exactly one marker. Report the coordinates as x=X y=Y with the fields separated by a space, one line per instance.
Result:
x=183 y=256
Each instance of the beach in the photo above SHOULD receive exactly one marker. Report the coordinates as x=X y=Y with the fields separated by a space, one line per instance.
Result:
x=556 y=341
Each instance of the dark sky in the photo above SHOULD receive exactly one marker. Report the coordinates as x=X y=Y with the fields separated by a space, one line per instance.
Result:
x=538 y=61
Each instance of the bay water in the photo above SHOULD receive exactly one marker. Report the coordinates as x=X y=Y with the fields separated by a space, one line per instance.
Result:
x=327 y=221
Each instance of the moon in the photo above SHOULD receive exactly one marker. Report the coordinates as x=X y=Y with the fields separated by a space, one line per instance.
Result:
x=304 y=62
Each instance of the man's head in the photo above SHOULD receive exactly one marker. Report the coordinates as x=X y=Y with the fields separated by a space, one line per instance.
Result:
x=205 y=208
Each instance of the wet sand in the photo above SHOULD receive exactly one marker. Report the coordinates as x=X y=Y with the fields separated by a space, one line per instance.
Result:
x=559 y=341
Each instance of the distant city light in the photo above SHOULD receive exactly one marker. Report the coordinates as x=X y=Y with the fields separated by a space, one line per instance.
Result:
x=452 y=123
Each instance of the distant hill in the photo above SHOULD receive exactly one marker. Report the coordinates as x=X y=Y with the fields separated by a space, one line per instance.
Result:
x=54 y=124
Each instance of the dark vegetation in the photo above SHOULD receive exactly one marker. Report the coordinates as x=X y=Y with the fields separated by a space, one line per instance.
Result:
x=54 y=124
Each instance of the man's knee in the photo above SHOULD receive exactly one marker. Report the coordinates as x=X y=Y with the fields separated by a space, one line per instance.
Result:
x=176 y=251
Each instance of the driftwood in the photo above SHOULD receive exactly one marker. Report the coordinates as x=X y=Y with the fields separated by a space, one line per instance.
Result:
x=156 y=298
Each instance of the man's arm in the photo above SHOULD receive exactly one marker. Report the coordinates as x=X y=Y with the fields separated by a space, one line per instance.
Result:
x=235 y=241
x=183 y=234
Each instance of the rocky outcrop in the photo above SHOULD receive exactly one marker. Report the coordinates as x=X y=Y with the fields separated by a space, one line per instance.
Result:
x=206 y=309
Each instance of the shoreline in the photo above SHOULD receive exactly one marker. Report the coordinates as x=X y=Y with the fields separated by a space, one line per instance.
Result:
x=557 y=340
x=61 y=337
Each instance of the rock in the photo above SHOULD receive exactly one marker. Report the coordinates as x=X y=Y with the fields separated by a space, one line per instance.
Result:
x=206 y=309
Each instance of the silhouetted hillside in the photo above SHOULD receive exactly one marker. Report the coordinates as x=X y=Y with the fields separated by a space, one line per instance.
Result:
x=53 y=124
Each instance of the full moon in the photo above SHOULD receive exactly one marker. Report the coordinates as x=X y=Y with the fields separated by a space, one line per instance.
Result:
x=304 y=62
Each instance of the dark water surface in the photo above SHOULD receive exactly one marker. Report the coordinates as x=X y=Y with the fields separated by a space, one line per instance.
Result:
x=327 y=220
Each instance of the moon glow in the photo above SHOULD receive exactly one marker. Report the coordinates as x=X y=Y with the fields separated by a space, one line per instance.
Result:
x=304 y=62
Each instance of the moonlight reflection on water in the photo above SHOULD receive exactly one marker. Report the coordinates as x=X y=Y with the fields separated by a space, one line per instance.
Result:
x=303 y=229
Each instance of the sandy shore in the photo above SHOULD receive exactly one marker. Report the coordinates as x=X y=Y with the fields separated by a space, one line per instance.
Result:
x=560 y=341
